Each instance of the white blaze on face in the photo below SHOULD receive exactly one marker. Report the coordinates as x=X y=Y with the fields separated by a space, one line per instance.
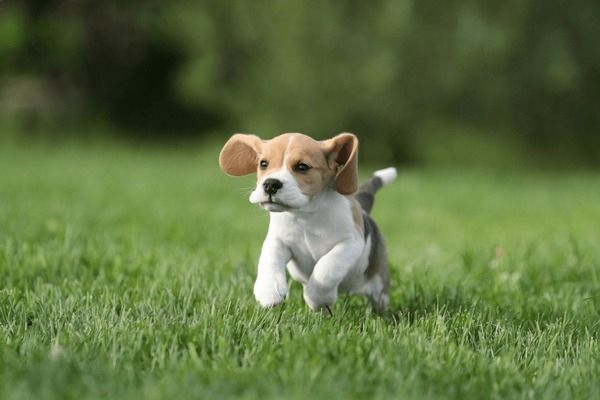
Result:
x=288 y=197
x=278 y=159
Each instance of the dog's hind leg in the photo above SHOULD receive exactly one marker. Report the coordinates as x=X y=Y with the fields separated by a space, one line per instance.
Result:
x=377 y=273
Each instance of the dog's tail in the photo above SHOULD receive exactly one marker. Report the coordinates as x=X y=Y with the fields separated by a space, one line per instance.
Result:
x=366 y=193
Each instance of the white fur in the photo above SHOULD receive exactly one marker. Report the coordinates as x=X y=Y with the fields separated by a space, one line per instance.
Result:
x=288 y=197
x=386 y=175
x=318 y=242
x=318 y=238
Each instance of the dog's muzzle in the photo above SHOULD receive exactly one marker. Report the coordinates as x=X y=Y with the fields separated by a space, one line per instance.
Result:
x=271 y=186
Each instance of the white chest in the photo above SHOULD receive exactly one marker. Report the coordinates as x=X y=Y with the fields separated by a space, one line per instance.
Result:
x=310 y=237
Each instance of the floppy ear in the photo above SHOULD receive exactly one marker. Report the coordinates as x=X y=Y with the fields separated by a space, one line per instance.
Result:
x=343 y=149
x=239 y=156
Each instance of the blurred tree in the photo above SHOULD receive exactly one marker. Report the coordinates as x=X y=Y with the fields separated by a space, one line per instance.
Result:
x=402 y=74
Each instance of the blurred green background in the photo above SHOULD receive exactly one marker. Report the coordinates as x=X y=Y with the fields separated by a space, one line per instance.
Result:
x=513 y=83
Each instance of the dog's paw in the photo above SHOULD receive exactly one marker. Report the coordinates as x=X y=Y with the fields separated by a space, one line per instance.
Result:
x=270 y=292
x=319 y=299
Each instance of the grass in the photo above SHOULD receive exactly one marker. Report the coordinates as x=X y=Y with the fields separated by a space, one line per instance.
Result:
x=127 y=273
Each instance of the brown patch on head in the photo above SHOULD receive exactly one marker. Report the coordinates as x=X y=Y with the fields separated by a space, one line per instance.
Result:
x=244 y=154
x=291 y=150
x=273 y=153
x=305 y=151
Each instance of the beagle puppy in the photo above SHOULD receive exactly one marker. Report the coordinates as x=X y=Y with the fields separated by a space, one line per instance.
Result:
x=319 y=229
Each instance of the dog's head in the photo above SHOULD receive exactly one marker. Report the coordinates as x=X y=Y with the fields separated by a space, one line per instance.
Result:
x=292 y=169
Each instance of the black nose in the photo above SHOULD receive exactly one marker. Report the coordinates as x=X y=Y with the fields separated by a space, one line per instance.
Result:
x=271 y=185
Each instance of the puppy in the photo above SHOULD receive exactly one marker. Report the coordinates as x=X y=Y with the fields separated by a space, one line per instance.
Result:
x=319 y=227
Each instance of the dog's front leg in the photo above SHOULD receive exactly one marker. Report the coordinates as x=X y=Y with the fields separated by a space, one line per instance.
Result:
x=322 y=287
x=270 y=287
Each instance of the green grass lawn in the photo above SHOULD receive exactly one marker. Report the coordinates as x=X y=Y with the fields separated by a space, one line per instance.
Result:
x=127 y=272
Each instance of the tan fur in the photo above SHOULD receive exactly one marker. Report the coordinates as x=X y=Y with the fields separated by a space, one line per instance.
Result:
x=311 y=232
x=357 y=216
x=238 y=156
x=273 y=151
x=242 y=155
x=343 y=148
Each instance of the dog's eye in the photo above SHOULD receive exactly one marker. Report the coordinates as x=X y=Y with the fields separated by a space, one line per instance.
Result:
x=263 y=164
x=301 y=167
